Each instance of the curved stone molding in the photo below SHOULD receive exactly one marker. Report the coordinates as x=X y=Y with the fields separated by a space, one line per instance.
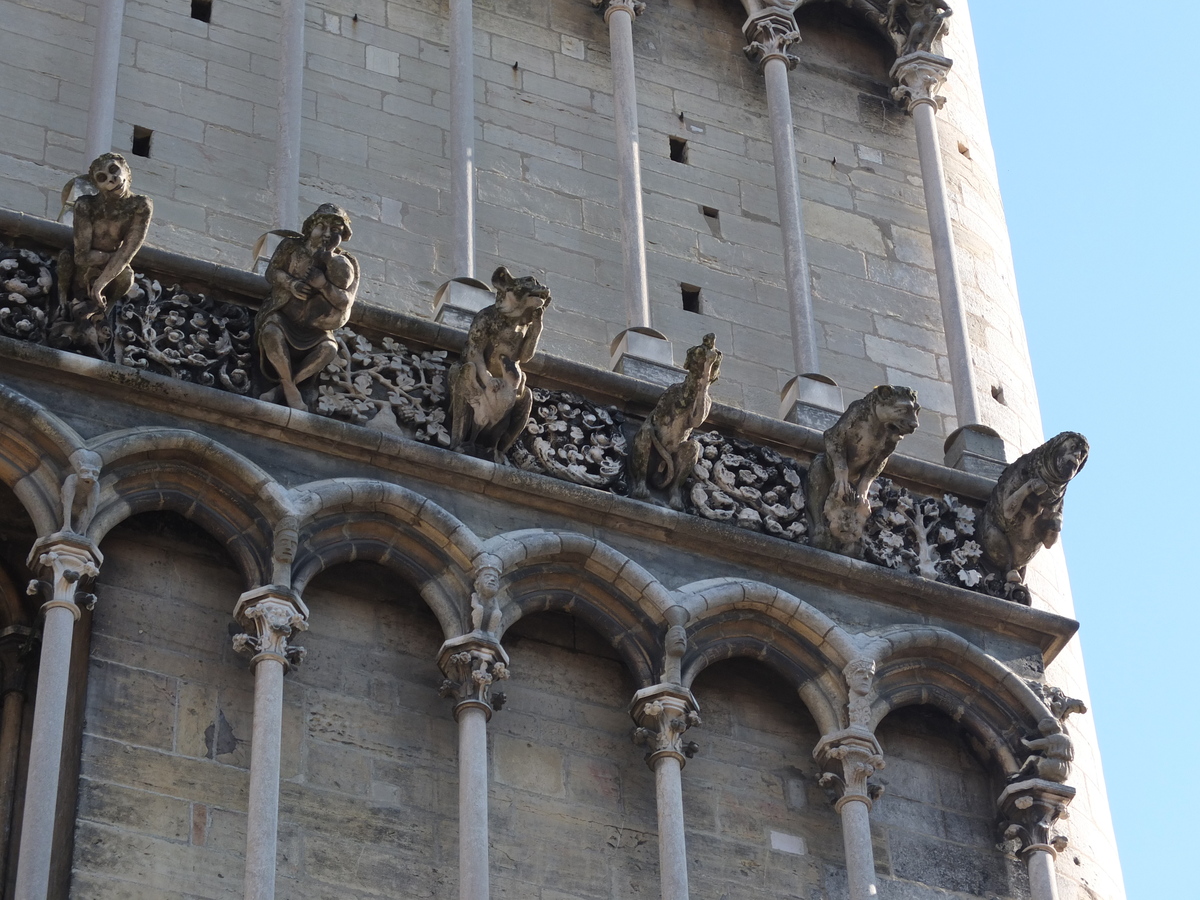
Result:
x=35 y=455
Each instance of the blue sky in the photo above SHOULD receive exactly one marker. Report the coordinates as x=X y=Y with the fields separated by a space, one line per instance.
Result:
x=1096 y=140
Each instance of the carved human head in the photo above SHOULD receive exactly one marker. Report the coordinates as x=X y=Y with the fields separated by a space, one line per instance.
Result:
x=111 y=174
x=859 y=674
x=287 y=539
x=335 y=219
x=487 y=581
x=676 y=644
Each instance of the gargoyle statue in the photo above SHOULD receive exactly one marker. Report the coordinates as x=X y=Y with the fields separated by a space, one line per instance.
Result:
x=1050 y=755
x=489 y=399
x=664 y=443
x=1024 y=512
x=916 y=24
x=81 y=492
x=857 y=448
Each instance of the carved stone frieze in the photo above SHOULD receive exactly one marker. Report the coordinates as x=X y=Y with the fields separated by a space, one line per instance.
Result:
x=472 y=665
x=1029 y=810
x=663 y=713
x=858 y=755
x=27 y=295
x=771 y=33
x=748 y=485
x=928 y=536
x=271 y=615
x=569 y=437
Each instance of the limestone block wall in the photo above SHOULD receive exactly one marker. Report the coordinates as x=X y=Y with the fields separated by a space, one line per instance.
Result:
x=375 y=139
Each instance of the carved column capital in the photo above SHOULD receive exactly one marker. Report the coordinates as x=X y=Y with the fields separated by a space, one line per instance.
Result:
x=771 y=33
x=858 y=754
x=919 y=77
x=1028 y=812
x=472 y=664
x=634 y=7
x=270 y=616
x=663 y=712
x=67 y=564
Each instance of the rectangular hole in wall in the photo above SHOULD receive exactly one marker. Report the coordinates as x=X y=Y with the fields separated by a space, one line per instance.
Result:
x=713 y=217
x=679 y=151
x=691 y=297
x=202 y=10
x=141 y=141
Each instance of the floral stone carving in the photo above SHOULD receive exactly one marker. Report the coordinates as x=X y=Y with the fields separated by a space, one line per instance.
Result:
x=857 y=447
x=26 y=292
x=572 y=438
x=663 y=442
x=927 y=536
x=489 y=399
x=916 y=24
x=749 y=485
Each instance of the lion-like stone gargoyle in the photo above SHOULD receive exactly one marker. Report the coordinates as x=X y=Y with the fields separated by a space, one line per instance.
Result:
x=489 y=399
x=857 y=448
x=663 y=443
x=1024 y=512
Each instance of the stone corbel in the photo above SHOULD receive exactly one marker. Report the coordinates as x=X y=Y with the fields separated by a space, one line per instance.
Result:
x=859 y=757
x=270 y=615
x=1029 y=810
x=663 y=713
x=68 y=564
x=472 y=665
x=771 y=33
x=919 y=77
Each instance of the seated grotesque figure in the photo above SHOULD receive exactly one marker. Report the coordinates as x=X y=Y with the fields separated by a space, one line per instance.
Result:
x=489 y=399
x=663 y=452
x=1024 y=512
x=110 y=227
x=313 y=286
x=917 y=24
x=1050 y=755
x=857 y=447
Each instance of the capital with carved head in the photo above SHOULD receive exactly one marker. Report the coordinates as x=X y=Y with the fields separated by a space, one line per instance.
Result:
x=919 y=77
x=857 y=753
x=67 y=564
x=472 y=664
x=270 y=615
x=1029 y=810
x=771 y=33
x=662 y=713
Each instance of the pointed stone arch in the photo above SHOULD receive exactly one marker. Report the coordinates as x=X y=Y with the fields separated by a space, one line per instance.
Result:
x=347 y=519
x=35 y=451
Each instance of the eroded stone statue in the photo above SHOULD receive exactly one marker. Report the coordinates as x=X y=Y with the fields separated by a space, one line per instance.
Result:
x=1050 y=756
x=81 y=492
x=485 y=610
x=663 y=452
x=1024 y=512
x=857 y=449
x=916 y=24
x=110 y=227
x=313 y=286
x=489 y=399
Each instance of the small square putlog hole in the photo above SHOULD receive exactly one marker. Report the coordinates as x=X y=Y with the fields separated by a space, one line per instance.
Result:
x=679 y=150
x=141 y=141
x=691 y=297
x=202 y=10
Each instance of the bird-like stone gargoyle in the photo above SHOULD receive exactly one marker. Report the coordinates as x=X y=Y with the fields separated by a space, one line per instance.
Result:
x=916 y=24
x=313 y=285
x=110 y=227
x=1025 y=509
x=857 y=448
x=663 y=452
x=489 y=399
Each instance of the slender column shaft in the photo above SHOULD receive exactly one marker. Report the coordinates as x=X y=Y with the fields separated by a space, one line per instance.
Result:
x=291 y=106
x=106 y=60
x=954 y=315
x=860 y=857
x=262 y=814
x=1043 y=883
x=791 y=217
x=473 y=879
x=10 y=743
x=45 y=755
x=629 y=166
x=672 y=846
x=462 y=134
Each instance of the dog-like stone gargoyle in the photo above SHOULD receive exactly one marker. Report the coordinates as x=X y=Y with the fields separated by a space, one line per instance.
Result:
x=663 y=452
x=857 y=448
x=1025 y=510
x=489 y=399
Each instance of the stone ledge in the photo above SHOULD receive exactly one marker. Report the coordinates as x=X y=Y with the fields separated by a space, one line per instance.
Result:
x=1047 y=631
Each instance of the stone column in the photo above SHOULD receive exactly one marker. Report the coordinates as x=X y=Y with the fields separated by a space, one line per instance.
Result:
x=857 y=753
x=67 y=562
x=919 y=76
x=291 y=106
x=1029 y=810
x=270 y=616
x=472 y=664
x=663 y=713
x=106 y=61
x=462 y=135
x=15 y=649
